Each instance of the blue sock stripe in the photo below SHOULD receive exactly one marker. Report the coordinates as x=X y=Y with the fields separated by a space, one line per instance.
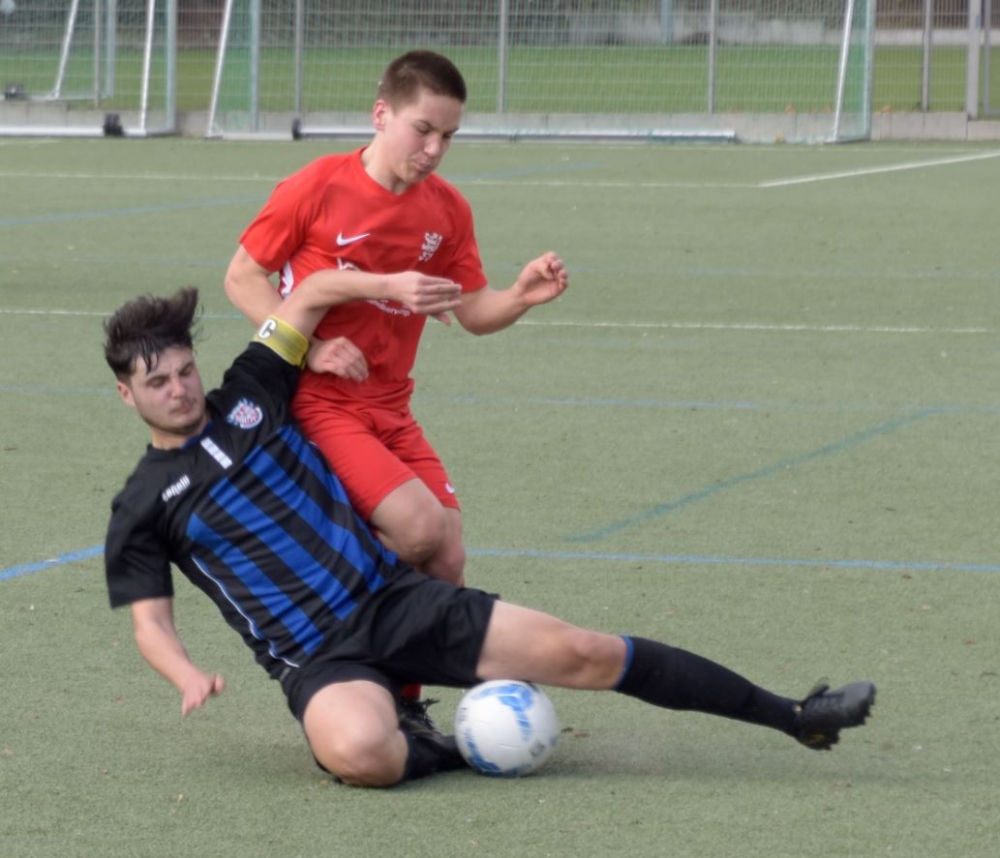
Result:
x=630 y=652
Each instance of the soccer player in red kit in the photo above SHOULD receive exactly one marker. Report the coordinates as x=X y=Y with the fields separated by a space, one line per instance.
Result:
x=382 y=210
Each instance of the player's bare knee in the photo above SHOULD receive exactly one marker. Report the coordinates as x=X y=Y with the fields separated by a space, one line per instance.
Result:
x=592 y=659
x=422 y=535
x=363 y=761
x=448 y=564
x=368 y=772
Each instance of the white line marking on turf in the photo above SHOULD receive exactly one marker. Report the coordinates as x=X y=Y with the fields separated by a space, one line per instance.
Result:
x=546 y=183
x=563 y=183
x=17 y=311
x=151 y=177
x=543 y=183
x=662 y=326
x=873 y=171
x=764 y=326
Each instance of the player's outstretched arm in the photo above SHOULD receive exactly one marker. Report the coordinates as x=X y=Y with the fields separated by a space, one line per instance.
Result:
x=156 y=637
x=420 y=293
x=488 y=310
x=249 y=287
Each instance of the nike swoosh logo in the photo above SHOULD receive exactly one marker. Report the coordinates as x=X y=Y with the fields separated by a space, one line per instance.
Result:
x=344 y=240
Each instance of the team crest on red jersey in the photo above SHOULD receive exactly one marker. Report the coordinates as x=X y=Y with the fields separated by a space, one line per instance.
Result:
x=432 y=241
x=246 y=414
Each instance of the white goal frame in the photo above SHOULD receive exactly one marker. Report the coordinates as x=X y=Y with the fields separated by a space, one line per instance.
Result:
x=60 y=114
x=846 y=116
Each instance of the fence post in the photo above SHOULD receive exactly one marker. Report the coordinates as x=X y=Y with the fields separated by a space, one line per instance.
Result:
x=925 y=83
x=713 y=35
x=503 y=39
x=972 y=66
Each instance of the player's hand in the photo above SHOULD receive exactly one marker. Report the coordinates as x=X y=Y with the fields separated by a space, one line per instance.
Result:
x=338 y=356
x=425 y=295
x=198 y=689
x=542 y=280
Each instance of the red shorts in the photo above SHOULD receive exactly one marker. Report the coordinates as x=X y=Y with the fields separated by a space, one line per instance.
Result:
x=373 y=450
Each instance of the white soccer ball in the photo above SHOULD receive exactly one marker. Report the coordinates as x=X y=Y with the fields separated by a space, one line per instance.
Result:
x=506 y=728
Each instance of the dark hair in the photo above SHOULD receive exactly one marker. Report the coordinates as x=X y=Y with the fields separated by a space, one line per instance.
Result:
x=408 y=74
x=147 y=326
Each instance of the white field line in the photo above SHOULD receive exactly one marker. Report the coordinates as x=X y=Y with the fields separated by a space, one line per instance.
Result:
x=547 y=183
x=543 y=183
x=656 y=326
x=874 y=171
x=761 y=326
x=19 y=311
x=553 y=183
x=136 y=177
x=576 y=183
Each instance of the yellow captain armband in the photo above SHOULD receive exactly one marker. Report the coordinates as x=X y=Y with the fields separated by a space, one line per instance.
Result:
x=283 y=340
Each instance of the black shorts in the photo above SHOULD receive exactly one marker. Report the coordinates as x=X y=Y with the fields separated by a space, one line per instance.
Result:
x=414 y=630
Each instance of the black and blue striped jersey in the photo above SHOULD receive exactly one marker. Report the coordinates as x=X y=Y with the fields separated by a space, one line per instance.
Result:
x=252 y=514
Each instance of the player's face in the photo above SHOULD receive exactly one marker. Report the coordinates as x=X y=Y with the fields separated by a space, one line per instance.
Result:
x=415 y=137
x=169 y=397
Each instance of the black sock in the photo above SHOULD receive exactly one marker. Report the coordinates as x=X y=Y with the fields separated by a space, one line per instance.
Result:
x=676 y=679
x=428 y=755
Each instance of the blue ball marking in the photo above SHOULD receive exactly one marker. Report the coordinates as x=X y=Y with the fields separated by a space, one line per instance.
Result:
x=516 y=697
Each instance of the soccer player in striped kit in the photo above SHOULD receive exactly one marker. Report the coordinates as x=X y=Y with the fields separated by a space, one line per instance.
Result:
x=231 y=492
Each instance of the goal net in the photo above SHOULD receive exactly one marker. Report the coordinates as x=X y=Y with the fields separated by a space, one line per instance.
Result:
x=88 y=67
x=760 y=70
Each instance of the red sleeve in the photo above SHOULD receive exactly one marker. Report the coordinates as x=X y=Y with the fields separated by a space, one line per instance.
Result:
x=466 y=267
x=281 y=227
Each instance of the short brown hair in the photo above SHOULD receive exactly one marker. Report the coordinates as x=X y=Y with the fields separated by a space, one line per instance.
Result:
x=147 y=326
x=408 y=74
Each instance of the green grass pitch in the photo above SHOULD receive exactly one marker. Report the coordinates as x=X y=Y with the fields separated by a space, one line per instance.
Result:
x=761 y=425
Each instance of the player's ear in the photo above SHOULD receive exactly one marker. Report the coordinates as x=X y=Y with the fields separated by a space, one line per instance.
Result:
x=125 y=392
x=379 y=114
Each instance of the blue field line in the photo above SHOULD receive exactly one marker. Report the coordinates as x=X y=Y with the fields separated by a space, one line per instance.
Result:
x=709 y=560
x=126 y=212
x=614 y=402
x=761 y=473
x=61 y=560
x=614 y=557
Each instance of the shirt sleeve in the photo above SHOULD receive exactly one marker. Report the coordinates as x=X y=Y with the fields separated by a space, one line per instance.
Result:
x=282 y=225
x=136 y=562
x=466 y=266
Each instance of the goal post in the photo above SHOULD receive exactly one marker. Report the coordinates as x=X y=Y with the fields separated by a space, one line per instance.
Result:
x=756 y=70
x=853 y=106
x=88 y=67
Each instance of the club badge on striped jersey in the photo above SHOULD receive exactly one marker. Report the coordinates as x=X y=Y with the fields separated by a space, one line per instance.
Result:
x=246 y=414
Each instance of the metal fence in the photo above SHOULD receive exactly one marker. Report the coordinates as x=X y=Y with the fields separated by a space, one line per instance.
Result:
x=628 y=64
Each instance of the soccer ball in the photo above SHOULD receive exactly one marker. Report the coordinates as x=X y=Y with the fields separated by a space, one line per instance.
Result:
x=506 y=728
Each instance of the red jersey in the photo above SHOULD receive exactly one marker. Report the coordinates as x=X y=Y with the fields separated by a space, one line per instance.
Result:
x=332 y=214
